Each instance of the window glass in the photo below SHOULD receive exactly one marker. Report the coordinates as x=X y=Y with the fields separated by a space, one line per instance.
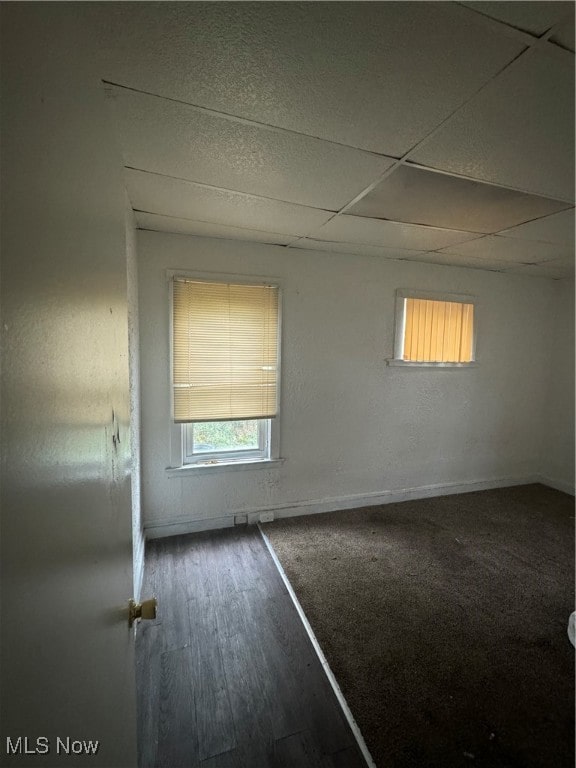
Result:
x=212 y=436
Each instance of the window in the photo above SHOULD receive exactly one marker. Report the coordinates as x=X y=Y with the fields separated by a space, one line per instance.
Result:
x=434 y=329
x=225 y=370
x=227 y=441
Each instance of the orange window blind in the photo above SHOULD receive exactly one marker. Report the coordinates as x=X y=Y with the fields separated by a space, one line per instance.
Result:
x=224 y=351
x=438 y=331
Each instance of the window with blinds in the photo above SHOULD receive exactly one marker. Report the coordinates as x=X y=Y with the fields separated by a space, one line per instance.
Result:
x=434 y=329
x=224 y=351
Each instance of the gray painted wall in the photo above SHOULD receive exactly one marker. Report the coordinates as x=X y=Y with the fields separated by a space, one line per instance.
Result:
x=558 y=447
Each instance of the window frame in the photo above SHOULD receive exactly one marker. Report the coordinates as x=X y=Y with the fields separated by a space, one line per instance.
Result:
x=177 y=431
x=400 y=327
x=238 y=456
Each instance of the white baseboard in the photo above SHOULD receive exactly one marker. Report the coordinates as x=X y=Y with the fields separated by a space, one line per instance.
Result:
x=333 y=504
x=180 y=527
x=390 y=497
x=559 y=485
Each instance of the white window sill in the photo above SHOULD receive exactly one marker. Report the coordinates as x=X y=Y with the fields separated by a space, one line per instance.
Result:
x=412 y=364
x=222 y=466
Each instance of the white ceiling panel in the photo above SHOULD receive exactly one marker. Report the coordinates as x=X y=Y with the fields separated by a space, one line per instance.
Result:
x=558 y=228
x=389 y=234
x=153 y=193
x=358 y=249
x=564 y=35
x=456 y=260
x=205 y=229
x=554 y=269
x=377 y=76
x=177 y=140
x=535 y=17
x=518 y=131
x=419 y=196
x=508 y=249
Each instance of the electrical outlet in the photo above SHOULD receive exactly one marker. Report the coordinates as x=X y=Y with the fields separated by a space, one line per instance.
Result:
x=266 y=517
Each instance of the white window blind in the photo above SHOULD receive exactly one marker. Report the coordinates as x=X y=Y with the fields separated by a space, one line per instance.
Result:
x=224 y=351
x=438 y=331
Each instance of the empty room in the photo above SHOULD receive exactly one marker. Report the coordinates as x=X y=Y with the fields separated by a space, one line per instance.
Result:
x=287 y=384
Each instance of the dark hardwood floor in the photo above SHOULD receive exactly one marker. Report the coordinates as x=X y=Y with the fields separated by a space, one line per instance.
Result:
x=226 y=675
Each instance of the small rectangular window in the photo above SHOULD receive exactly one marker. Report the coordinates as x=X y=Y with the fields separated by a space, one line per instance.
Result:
x=434 y=329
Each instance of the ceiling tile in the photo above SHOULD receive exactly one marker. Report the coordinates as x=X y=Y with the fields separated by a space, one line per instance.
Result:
x=388 y=234
x=564 y=35
x=204 y=229
x=377 y=76
x=456 y=260
x=535 y=17
x=508 y=249
x=426 y=197
x=177 y=140
x=358 y=249
x=153 y=193
x=518 y=131
x=558 y=228
x=566 y=265
x=554 y=269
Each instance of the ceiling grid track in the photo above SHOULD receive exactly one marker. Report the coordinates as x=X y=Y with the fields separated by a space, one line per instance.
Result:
x=489 y=106
x=406 y=157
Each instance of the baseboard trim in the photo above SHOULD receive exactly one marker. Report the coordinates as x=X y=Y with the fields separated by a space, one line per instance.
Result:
x=328 y=672
x=180 y=527
x=390 y=497
x=559 y=485
x=160 y=529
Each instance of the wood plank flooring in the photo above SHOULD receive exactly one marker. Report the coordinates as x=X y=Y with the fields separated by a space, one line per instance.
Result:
x=226 y=675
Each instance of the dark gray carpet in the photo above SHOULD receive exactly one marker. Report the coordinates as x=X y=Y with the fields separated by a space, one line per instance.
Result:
x=444 y=621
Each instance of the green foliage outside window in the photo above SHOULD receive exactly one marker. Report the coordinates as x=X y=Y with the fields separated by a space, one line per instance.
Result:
x=226 y=435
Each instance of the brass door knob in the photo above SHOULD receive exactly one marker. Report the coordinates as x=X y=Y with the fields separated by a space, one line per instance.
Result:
x=144 y=610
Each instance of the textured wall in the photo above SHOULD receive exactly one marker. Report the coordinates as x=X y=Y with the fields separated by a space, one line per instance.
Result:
x=349 y=424
x=559 y=444
x=67 y=654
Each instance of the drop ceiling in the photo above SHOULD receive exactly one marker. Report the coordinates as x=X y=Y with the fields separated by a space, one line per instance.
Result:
x=434 y=132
